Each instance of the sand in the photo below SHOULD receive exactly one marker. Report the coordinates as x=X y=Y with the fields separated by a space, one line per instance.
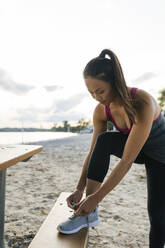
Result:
x=32 y=188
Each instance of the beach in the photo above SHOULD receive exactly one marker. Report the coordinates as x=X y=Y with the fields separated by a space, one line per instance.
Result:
x=32 y=188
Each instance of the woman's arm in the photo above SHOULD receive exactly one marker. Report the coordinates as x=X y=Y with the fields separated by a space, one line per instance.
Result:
x=100 y=125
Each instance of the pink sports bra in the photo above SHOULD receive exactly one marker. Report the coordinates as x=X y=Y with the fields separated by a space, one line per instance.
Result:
x=110 y=117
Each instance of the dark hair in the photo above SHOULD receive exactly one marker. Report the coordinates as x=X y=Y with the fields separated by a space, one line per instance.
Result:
x=109 y=70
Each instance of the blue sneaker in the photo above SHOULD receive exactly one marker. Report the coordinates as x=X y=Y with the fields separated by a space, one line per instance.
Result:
x=75 y=223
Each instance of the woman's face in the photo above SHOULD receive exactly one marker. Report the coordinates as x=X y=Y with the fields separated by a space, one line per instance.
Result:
x=100 y=90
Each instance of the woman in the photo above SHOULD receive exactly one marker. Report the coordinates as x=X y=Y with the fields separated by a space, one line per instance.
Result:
x=140 y=139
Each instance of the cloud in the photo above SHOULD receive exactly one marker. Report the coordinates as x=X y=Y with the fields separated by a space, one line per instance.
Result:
x=66 y=109
x=60 y=110
x=10 y=85
x=69 y=116
x=145 y=77
x=70 y=103
x=51 y=88
x=32 y=114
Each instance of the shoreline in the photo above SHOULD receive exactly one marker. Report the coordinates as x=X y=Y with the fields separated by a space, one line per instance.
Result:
x=32 y=188
x=13 y=138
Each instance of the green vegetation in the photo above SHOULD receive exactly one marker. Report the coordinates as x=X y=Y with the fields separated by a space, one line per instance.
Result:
x=66 y=127
x=161 y=98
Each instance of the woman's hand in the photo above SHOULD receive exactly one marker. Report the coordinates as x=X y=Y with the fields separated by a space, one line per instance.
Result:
x=74 y=199
x=86 y=206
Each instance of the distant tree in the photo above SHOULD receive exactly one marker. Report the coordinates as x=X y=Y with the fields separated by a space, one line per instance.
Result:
x=54 y=127
x=161 y=98
x=66 y=125
x=83 y=123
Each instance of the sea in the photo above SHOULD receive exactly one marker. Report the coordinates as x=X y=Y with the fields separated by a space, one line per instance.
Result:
x=27 y=137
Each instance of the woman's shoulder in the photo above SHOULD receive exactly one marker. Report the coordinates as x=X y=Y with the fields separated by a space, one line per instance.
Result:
x=99 y=112
x=141 y=96
x=142 y=99
x=139 y=93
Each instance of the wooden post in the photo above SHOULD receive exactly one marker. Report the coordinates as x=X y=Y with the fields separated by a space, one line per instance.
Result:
x=2 y=206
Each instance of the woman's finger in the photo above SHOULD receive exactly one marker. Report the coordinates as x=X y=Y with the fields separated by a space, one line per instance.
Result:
x=77 y=212
x=70 y=203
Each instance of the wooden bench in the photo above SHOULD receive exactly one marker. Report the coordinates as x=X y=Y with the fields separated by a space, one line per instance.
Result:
x=9 y=156
x=49 y=237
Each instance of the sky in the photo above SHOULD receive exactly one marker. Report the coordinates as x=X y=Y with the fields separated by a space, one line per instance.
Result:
x=45 y=45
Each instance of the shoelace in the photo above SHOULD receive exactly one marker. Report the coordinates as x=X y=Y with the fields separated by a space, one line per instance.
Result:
x=72 y=217
x=88 y=222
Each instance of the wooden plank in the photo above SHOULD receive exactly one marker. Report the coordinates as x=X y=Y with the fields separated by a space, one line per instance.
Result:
x=12 y=154
x=49 y=237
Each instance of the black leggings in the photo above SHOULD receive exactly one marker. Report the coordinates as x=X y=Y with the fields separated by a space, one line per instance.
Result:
x=113 y=143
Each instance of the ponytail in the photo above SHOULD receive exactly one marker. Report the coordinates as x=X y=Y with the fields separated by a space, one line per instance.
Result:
x=109 y=70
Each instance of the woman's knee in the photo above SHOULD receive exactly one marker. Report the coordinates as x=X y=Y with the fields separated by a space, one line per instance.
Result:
x=111 y=143
x=106 y=138
x=103 y=143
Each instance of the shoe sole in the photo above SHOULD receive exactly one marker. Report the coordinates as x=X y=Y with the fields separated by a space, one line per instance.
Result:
x=92 y=224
